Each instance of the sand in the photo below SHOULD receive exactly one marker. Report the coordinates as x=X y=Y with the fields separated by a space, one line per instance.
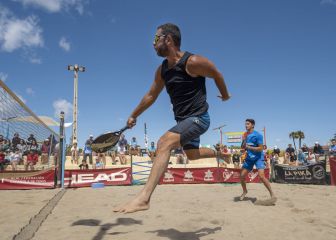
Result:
x=18 y=206
x=177 y=212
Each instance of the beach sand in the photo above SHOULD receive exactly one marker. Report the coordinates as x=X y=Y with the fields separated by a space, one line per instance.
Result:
x=177 y=212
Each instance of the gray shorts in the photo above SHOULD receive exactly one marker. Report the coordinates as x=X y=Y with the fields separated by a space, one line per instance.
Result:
x=190 y=130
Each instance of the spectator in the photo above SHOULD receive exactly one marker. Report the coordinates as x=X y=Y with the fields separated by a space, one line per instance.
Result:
x=317 y=150
x=311 y=157
x=22 y=147
x=301 y=157
x=286 y=158
x=135 y=150
x=243 y=155
x=3 y=161
x=151 y=151
x=74 y=153
x=98 y=164
x=226 y=153
x=236 y=159
x=304 y=148
x=276 y=150
x=275 y=159
x=290 y=149
x=292 y=159
x=4 y=145
x=102 y=159
x=84 y=165
x=88 y=149
x=16 y=140
x=15 y=158
x=332 y=149
x=266 y=156
x=122 y=149
x=45 y=150
x=33 y=154
x=113 y=154
x=30 y=139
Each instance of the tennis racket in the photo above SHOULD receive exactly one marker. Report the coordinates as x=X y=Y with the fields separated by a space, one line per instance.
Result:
x=106 y=141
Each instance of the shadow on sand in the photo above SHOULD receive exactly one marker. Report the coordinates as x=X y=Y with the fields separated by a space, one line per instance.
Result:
x=237 y=199
x=107 y=226
x=174 y=234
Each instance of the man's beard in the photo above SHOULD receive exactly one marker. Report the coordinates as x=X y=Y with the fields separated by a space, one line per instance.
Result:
x=162 y=51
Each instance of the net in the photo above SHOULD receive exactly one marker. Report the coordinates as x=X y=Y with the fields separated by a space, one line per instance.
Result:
x=18 y=122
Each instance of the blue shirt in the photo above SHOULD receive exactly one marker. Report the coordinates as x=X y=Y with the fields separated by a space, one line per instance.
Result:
x=333 y=148
x=152 y=149
x=301 y=157
x=254 y=139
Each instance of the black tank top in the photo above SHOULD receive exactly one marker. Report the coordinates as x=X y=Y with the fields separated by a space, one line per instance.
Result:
x=187 y=93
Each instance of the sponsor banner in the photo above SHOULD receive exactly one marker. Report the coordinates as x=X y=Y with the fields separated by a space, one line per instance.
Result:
x=310 y=174
x=232 y=175
x=84 y=178
x=190 y=175
x=332 y=161
x=207 y=175
x=27 y=179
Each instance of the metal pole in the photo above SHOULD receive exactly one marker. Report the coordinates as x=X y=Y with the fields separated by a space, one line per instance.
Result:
x=60 y=161
x=74 y=127
x=221 y=133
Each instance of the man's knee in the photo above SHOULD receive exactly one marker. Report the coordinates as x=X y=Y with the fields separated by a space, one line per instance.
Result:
x=168 y=141
x=192 y=154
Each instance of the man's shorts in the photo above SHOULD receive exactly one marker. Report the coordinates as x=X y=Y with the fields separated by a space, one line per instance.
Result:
x=248 y=164
x=190 y=130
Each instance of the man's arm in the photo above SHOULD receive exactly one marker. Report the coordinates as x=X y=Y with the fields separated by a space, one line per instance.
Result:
x=255 y=149
x=148 y=99
x=200 y=66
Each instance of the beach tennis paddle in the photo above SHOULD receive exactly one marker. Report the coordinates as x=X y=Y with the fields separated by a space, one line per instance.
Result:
x=106 y=141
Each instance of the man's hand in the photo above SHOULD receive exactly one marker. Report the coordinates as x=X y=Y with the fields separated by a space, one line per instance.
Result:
x=131 y=122
x=225 y=98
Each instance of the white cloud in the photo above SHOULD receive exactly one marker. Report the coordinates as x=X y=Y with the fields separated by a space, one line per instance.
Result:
x=62 y=105
x=35 y=60
x=30 y=91
x=18 y=33
x=3 y=76
x=54 y=6
x=333 y=2
x=64 y=44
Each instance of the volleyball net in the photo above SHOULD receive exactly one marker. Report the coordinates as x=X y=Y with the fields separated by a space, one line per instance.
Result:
x=19 y=126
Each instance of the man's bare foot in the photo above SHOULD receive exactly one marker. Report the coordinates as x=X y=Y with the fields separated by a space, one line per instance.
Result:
x=134 y=205
x=242 y=197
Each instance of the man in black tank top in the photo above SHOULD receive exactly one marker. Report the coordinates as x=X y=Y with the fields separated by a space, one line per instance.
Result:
x=183 y=74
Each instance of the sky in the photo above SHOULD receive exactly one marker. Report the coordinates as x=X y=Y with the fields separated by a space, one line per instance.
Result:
x=277 y=58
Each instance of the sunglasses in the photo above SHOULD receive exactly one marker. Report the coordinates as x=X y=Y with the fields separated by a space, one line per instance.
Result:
x=157 y=38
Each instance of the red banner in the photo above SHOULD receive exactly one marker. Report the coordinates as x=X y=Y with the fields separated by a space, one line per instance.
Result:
x=84 y=178
x=332 y=161
x=27 y=179
x=232 y=175
x=207 y=175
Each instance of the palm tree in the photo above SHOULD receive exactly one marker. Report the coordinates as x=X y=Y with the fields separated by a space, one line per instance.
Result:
x=301 y=136
x=293 y=135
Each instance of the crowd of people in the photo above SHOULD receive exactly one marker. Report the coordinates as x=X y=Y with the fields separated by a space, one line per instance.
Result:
x=27 y=152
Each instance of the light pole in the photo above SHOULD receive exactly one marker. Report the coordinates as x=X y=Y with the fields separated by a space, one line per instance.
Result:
x=75 y=69
x=221 y=132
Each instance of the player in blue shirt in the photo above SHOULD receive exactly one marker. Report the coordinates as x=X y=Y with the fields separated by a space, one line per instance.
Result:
x=253 y=144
